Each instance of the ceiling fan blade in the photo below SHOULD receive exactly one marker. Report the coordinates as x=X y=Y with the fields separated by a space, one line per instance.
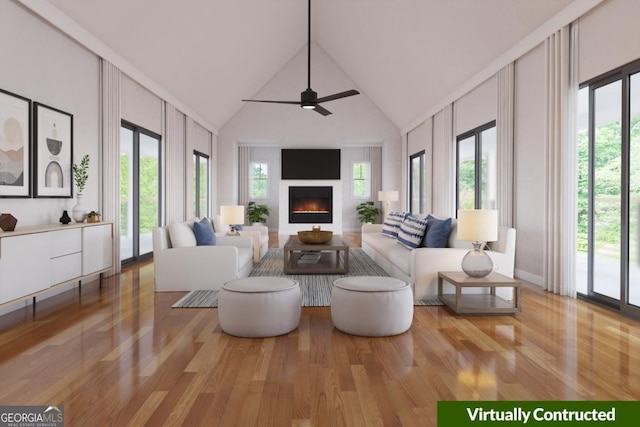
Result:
x=322 y=110
x=272 y=102
x=338 y=95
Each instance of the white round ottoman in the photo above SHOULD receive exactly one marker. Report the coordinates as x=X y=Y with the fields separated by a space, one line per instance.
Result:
x=371 y=306
x=256 y=307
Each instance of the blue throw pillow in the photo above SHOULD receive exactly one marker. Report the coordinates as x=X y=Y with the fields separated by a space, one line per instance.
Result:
x=437 y=234
x=204 y=233
x=412 y=231
x=239 y=227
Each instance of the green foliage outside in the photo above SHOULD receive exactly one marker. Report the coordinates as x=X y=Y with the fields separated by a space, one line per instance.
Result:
x=148 y=193
x=467 y=183
x=359 y=180
x=259 y=180
x=200 y=177
x=608 y=189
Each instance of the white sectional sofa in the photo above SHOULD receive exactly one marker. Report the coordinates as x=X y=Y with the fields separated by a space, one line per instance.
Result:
x=420 y=266
x=181 y=265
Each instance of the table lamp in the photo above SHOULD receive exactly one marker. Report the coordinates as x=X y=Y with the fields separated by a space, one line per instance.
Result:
x=232 y=215
x=388 y=196
x=477 y=226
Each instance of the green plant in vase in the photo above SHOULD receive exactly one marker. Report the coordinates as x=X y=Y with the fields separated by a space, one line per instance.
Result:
x=257 y=213
x=80 y=177
x=367 y=212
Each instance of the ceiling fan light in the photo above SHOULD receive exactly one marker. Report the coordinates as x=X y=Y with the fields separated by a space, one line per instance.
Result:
x=309 y=107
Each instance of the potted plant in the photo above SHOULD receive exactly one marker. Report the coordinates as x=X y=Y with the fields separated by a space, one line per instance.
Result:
x=367 y=212
x=257 y=213
x=80 y=177
x=93 y=216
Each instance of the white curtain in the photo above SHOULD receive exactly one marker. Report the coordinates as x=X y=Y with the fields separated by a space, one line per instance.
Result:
x=244 y=174
x=449 y=162
x=560 y=161
x=504 y=124
x=110 y=123
x=174 y=159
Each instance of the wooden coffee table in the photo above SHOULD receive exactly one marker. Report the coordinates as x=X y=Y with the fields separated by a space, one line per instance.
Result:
x=333 y=257
x=479 y=303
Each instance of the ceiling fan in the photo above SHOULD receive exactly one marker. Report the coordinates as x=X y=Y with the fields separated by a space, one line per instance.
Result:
x=309 y=98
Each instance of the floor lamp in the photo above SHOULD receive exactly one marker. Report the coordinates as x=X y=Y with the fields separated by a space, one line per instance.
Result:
x=388 y=197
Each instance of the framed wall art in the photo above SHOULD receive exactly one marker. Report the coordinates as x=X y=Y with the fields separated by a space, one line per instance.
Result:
x=53 y=152
x=15 y=145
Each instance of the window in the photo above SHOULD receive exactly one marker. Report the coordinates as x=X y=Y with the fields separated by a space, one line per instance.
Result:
x=476 y=168
x=259 y=180
x=608 y=189
x=139 y=191
x=361 y=180
x=417 y=182
x=200 y=185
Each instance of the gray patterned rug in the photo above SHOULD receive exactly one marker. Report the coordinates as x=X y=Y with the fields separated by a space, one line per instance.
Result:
x=316 y=288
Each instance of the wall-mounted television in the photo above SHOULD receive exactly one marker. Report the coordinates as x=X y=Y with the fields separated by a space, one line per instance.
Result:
x=310 y=163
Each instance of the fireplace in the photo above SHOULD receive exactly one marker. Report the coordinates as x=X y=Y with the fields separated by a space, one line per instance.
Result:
x=310 y=205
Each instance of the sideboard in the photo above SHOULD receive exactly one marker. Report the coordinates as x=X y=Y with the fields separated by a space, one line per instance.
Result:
x=35 y=259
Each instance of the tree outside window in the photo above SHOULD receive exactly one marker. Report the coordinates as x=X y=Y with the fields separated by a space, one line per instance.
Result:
x=361 y=180
x=259 y=180
x=476 y=168
x=200 y=185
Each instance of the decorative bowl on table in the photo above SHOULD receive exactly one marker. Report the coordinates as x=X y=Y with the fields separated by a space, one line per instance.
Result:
x=315 y=237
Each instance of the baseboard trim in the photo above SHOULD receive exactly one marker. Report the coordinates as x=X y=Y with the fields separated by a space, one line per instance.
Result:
x=529 y=277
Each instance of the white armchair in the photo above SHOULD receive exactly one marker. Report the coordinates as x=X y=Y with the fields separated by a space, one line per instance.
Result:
x=259 y=235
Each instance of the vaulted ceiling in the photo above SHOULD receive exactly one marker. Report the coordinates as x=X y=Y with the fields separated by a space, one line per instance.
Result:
x=406 y=55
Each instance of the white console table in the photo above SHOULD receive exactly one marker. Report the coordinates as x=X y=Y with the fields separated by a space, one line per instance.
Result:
x=35 y=259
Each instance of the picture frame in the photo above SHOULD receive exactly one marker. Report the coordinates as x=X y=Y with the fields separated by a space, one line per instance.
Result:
x=15 y=145
x=53 y=152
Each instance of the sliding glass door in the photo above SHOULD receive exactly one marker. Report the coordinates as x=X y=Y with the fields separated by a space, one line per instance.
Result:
x=608 y=263
x=139 y=191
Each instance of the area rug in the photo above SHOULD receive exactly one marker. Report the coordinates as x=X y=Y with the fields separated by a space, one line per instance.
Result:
x=316 y=288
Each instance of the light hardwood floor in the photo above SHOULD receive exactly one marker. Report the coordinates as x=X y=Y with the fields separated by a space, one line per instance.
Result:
x=121 y=355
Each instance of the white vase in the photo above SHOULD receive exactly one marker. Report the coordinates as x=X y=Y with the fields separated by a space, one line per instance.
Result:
x=79 y=211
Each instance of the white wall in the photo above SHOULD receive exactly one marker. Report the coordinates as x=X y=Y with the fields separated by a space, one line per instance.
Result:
x=355 y=121
x=476 y=108
x=45 y=66
x=609 y=37
x=140 y=107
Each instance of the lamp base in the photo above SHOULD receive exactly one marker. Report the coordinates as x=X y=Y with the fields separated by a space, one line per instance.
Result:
x=476 y=263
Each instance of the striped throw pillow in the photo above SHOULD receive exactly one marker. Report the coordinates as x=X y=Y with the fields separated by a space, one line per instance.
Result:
x=412 y=231
x=391 y=224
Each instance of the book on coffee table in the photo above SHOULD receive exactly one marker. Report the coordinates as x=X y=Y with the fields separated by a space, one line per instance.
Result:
x=309 y=257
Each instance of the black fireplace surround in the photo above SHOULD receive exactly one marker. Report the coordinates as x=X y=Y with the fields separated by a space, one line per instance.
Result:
x=310 y=205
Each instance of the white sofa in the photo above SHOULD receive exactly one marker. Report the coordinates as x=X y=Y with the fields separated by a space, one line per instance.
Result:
x=191 y=267
x=258 y=233
x=420 y=266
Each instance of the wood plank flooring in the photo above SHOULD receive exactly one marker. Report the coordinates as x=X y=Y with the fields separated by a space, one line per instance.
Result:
x=120 y=355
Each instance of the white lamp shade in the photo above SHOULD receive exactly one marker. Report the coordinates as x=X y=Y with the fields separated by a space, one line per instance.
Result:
x=479 y=225
x=388 y=196
x=232 y=215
